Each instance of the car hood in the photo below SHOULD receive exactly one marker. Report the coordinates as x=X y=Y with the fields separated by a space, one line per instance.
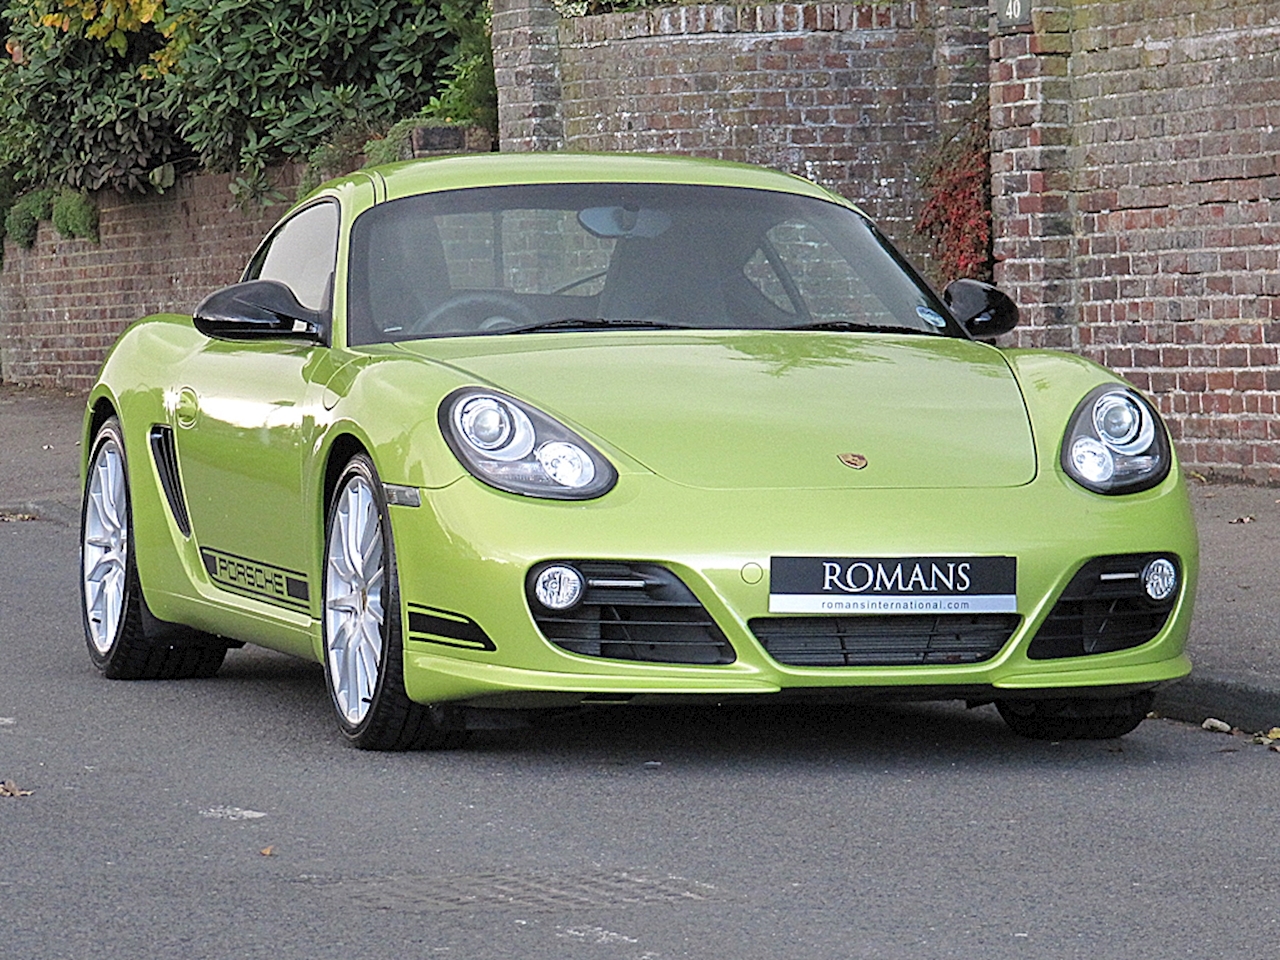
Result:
x=773 y=409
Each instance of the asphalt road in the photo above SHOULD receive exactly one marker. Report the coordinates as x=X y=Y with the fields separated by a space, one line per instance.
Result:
x=224 y=818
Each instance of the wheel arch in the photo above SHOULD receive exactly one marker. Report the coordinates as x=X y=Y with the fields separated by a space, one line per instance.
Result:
x=341 y=450
x=100 y=410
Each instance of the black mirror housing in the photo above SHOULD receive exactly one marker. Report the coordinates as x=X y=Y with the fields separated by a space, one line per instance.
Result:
x=980 y=308
x=259 y=310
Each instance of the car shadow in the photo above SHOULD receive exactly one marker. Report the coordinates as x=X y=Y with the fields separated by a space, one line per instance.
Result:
x=292 y=692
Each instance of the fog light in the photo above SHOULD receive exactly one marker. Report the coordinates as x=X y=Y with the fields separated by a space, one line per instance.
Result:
x=558 y=587
x=1160 y=579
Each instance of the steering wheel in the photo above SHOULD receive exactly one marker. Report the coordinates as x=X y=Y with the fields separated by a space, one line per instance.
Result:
x=475 y=310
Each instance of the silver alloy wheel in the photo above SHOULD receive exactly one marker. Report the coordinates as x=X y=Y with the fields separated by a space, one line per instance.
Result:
x=105 y=550
x=353 y=611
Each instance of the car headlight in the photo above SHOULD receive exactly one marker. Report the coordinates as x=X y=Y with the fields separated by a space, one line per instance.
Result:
x=1115 y=442
x=514 y=447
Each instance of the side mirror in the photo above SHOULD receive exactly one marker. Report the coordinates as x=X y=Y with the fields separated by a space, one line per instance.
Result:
x=981 y=309
x=258 y=310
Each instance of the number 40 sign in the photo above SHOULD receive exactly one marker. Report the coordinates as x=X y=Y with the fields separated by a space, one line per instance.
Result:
x=1011 y=12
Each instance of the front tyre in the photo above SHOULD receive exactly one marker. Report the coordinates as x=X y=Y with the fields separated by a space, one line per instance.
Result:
x=363 y=648
x=1076 y=718
x=113 y=609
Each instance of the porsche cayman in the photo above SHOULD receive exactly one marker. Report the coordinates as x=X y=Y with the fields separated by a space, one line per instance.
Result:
x=495 y=434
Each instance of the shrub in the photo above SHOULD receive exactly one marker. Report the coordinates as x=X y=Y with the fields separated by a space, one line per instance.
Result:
x=75 y=215
x=129 y=93
x=274 y=80
x=23 y=219
x=76 y=111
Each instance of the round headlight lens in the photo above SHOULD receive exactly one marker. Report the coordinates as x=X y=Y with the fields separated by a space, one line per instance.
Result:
x=1121 y=423
x=567 y=464
x=495 y=428
x=558 y=587
x=1092 y=460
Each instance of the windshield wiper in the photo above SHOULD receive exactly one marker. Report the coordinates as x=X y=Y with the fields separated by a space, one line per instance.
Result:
x=848 y=326
x=594 y=323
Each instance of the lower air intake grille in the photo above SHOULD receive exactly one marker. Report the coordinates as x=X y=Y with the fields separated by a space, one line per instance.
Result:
x=634 y=611
x=1103 y=609
x=884 y=641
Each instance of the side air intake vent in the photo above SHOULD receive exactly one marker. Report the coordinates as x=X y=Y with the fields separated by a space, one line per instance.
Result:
x=165 y=454
x=1106 y=607
x=631 y=611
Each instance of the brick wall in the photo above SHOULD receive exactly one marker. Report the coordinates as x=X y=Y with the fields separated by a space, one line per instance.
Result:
x=851 y=96
x=1136 y=174
x=64 y=302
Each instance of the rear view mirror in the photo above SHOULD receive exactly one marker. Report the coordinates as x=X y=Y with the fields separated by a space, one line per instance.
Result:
x=624 y=222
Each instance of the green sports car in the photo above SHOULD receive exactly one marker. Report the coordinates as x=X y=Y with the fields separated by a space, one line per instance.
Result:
x=496 y=434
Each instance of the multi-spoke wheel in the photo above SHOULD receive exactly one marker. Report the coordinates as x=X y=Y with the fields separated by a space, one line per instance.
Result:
x=105 y=554
x=111 y=597
x=363 y=653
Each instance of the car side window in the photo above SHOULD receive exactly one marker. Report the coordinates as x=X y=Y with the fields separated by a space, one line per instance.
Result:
x=301 y=254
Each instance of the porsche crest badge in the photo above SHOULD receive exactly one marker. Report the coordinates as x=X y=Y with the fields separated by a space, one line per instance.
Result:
x=855 y=460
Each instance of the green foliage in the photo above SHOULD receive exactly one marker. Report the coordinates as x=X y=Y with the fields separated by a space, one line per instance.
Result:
x=23 y=218
x=75 y=215
x=142 y=91
x=469 y=94
x=272 y=80
x=340 y=155
x=74 y=111
x=468 y=97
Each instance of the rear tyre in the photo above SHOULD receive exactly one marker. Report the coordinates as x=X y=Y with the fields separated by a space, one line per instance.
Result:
x=113 y=610
x=363 y=648
x=1076 y=718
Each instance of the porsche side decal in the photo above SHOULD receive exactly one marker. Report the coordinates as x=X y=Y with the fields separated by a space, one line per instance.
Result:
x=284 y=588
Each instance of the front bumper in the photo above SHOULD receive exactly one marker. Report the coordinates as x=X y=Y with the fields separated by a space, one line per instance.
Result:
x=467 y=551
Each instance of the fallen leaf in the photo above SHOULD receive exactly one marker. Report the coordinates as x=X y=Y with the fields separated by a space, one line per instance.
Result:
x=268 y=851
x=1241 y=520
x=1197 y=476
x=10 y=789
x=1215 y=725
x=1273 y=733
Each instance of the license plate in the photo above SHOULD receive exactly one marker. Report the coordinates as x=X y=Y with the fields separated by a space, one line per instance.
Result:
x=880 y=585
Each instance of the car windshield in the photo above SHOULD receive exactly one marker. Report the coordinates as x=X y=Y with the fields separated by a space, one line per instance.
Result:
x=573 y=257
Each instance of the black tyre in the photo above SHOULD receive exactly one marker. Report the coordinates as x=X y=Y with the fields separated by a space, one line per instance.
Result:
x=363 y=648
x=1076 y=718
x=120 y=632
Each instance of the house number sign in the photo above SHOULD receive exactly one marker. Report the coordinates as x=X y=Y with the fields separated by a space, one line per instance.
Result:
x=1012 y=12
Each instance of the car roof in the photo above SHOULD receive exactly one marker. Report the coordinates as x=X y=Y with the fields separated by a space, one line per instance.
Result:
x=503 y=169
